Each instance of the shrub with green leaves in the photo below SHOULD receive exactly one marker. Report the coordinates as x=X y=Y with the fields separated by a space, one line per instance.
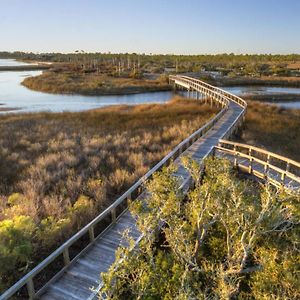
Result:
x=16 y=238
x=229 y=238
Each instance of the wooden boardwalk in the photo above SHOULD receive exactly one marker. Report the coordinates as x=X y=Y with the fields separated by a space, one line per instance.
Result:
x=82 y=279
x=79 y=278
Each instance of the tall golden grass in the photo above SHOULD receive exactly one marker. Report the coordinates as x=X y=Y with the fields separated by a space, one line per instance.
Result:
x=274 y=128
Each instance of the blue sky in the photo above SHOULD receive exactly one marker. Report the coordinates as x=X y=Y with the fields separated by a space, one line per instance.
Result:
x=151 y=26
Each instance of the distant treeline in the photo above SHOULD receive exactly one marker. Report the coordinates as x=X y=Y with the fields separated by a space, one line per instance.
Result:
x=239 y=64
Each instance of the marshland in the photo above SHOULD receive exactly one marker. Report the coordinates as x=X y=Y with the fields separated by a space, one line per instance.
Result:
x=149 y=150
x=60 y=170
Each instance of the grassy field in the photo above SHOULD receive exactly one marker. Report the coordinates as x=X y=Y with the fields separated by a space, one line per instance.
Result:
x=60 y=170
x=73 y=82
x=274 y=128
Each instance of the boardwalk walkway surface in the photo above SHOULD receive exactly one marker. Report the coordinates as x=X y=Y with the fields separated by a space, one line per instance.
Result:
x=80 y=277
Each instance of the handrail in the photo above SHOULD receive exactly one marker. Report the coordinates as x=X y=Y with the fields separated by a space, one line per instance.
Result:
x=264 y=161
x=262 y=151
x=199 y=83
x=215 y=94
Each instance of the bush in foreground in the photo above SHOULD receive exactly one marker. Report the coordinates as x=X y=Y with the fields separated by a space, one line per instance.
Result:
x=229 y=238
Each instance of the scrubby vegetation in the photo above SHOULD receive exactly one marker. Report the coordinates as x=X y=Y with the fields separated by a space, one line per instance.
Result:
x=60 y=170
x=77 y=82
x=274 y=128
x=229 y=238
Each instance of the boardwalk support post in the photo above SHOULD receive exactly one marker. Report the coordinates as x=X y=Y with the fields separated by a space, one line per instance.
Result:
x=113 y=215
x=235 y=156
x=92 y=234
x=66 y=256
x=30 y=289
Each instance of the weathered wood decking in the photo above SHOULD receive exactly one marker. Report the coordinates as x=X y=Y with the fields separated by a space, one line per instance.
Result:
x=82 y=279
x=78 y=280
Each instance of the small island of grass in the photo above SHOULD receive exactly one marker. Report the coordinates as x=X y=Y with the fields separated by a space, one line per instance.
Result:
x=72 y=81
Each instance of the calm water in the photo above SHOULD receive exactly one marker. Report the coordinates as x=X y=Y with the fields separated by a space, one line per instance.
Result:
x=11 y=63
x=268 y=90
x=16 y=98
x=14 y=95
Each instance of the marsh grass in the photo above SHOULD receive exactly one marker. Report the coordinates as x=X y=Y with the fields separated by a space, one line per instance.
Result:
x=62 y=169
x=72 y=82
x=274 y=128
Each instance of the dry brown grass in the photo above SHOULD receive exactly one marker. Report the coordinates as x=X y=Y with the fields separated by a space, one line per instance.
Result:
x=276 y=129
x=280 y=81
x=72 y=82
x=62 y=169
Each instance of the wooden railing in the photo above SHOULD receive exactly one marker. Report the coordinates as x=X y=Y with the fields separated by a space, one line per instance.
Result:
x=114 y=211
x=207 y=89
x=214 y=93
x=277 y=169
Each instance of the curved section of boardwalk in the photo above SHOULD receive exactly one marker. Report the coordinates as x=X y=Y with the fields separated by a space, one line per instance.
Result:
x=79 y=278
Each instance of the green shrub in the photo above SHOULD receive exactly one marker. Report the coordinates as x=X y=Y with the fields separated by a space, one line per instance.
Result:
x=230 y=238
x=16 y=245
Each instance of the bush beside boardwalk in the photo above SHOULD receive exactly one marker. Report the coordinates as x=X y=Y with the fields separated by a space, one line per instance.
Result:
x=229 y=238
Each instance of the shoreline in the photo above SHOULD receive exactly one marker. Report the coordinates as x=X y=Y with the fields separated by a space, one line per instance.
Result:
x=8 y=109
x=104 y=93
x=264 y=81
x=66 y=83
x=273 y=98
x=24 y=68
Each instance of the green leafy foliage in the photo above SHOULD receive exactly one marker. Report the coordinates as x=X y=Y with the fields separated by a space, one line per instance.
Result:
x=16 y=238
x=229 y=238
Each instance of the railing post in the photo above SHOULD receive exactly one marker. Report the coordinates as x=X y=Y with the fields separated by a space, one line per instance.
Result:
x=129 y=200
x=250 y=165
x=66 y=256
x=213 y=153
x=30 y=289
x=266 y=168
x=287 y=167
x=113 y=215
x=92 y=234
x=235 y=156
x=283 y=177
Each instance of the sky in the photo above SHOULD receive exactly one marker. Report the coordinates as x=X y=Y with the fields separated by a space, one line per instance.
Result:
x=151 y=26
